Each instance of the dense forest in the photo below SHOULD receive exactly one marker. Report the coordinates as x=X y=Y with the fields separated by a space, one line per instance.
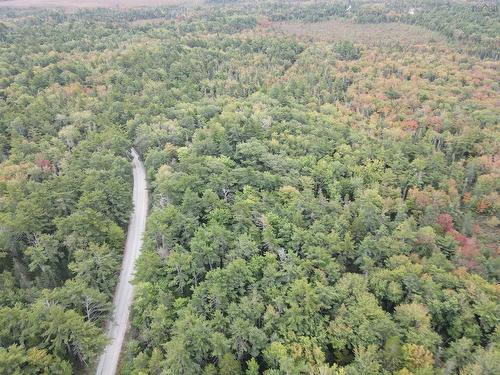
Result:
x=319 y=206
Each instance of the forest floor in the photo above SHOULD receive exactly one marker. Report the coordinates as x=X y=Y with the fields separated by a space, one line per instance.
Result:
x=73 y=4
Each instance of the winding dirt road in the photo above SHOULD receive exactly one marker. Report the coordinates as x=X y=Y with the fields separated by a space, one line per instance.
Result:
x=118 y=325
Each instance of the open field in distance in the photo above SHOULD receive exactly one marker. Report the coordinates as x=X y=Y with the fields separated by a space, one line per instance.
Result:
x=72 y=4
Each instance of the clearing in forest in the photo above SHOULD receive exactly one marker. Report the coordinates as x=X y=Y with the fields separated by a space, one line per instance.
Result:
x=371 y=33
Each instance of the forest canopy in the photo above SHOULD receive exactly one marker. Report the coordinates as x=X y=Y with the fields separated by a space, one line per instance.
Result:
x=321 y=203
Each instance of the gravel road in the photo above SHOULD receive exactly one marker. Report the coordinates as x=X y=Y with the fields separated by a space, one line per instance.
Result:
x=117 y=327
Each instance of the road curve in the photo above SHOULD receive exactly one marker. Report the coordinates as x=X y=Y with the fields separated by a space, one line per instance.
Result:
x=118 y=325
